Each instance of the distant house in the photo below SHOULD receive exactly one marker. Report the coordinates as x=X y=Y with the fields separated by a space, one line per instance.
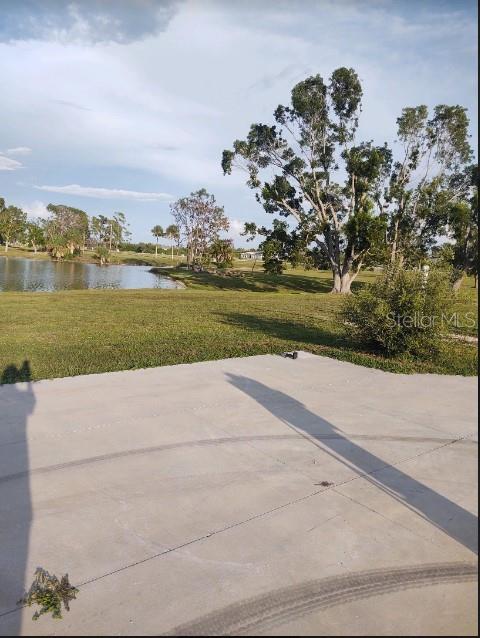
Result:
x=252 y=254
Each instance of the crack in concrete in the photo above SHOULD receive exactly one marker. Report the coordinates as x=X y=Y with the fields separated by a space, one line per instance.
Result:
x=387 y=518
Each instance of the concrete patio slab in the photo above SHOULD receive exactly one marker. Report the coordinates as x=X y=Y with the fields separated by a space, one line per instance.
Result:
x=260 y=495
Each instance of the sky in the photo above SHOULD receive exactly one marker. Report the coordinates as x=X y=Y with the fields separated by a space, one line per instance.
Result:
x=126 y=105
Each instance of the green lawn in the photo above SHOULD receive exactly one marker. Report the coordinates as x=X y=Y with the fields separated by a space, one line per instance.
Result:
x=28 y=253
x=81 y=332
x=292 y=280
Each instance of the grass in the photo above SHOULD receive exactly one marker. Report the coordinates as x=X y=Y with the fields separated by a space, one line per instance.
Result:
x=80 y=332
x=293 y=280
x=467 y=309
x=29 y=253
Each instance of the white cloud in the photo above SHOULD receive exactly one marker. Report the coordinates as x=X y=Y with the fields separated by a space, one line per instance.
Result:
x=19 y=150
x=236 y=228
x=161 y=106
x=7 y=164
x=106 y=193
x=36 y=209
x=201 y=93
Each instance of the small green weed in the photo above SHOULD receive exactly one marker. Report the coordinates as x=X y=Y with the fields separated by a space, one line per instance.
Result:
x=49 y=593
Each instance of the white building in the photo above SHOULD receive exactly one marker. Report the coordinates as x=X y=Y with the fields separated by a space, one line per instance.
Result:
x=252 y=254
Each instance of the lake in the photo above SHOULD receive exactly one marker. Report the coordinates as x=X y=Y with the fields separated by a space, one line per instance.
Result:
x=44 y=275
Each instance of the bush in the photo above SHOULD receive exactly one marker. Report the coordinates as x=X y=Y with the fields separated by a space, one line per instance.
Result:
x=221 y=252
x=272 y=261
x=102 y=254
x=401 y=312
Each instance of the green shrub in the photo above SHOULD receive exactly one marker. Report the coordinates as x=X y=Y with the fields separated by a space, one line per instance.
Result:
x=402 y=312
x=273 y=263
x=102 y=254
x=221 y=251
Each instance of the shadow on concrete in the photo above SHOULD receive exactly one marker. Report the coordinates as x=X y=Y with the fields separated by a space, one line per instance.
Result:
x=17 y=402
x=438 y=510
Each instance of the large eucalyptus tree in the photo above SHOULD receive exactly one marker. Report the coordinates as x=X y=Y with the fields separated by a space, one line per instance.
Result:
x=427 y=179
x=309 y=168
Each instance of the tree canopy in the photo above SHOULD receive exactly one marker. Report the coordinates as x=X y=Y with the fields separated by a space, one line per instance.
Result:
x=66 y=231
x=294 y=165
x=12 y=223
x=109 y=231
x=427 y=179
x=157 y=231
x=173 y=233
x=199 y=220
x=349 y=198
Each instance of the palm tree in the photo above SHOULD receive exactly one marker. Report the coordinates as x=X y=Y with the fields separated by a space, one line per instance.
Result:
x=157 y=231
x=173 y=234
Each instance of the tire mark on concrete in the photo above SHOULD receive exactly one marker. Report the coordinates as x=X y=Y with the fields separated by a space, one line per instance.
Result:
x=212 y=443
x=262 y=613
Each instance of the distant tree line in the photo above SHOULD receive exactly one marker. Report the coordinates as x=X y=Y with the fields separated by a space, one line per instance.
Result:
x=67 y=232
x=152 y=248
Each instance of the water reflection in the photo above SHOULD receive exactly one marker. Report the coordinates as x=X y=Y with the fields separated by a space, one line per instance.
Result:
x=19 y=274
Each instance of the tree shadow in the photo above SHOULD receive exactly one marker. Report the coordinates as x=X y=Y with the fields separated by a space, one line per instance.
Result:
x=17 y=402
x=255 y=282
x=295 y=332
x=458 y=523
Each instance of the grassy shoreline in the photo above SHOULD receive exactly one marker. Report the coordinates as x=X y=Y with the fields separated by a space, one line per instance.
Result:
x=81 y=332
x=121 y=258
x=214 y=317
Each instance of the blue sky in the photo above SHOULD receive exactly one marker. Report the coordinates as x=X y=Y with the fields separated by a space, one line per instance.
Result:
x=126 y=105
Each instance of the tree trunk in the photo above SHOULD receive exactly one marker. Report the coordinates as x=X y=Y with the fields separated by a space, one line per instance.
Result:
x=189 y=256
x=393 y=254
x=341 y=283
x=342 y=277
x=156 y=249
x=457 y=284
x=172 y=252
x=6 y=246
